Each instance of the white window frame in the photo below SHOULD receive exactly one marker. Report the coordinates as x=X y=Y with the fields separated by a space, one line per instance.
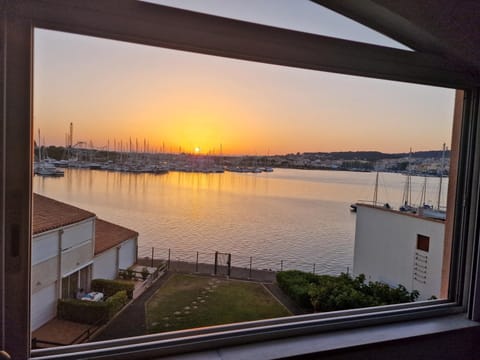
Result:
x=156 y=25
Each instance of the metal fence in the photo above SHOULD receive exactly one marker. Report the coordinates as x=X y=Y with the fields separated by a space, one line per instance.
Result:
x=241 y=266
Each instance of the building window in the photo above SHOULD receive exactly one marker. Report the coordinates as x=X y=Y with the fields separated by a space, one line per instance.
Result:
x=74 y=282
x=423 y=242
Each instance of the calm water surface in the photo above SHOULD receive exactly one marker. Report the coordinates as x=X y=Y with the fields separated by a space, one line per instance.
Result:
x=301 y=217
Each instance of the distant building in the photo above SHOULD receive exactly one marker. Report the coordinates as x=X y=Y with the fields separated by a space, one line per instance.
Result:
x=70 y=247
x=397 y=247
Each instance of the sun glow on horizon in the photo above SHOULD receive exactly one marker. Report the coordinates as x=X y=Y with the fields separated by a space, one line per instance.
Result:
x=151 y=99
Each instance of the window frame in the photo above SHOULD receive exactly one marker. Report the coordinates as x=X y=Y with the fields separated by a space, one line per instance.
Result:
x=107 y=19
x=423 y=243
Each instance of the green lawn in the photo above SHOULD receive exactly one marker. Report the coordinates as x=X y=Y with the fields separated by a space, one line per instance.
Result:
x=189 y=301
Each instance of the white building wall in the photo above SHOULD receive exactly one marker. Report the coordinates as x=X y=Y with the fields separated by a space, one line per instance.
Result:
x=78 y=234
x=385 y=250
x=44 y=306
x=77 y=257
x=44 y=274
x=44 y=246
x=105 y=265
x=77 y=251
x=127 y=254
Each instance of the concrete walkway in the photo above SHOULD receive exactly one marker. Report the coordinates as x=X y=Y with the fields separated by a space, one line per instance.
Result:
x=243 y=273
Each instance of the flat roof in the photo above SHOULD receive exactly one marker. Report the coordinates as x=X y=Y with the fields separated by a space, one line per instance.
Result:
x=109 y=235
x=49 y=214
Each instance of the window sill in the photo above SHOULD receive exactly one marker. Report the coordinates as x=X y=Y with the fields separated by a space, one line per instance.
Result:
x=439 y=337
x=392 y=338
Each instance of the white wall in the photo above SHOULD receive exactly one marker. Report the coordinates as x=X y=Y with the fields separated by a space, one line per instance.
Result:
x=77 y=251
x=78 y=233
x=105 y=265
x=44 y=274
x=128 y=254
x=44 y=306
x=77 y=257
x=44 y=246
x=385 y=249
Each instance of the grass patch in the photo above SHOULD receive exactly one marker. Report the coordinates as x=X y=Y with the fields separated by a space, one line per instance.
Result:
x=189 y=301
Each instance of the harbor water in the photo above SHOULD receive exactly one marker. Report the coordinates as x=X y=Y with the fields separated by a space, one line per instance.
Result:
x=298 y=216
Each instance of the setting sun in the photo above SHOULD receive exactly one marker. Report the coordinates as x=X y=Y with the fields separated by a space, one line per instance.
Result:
x=197 y=150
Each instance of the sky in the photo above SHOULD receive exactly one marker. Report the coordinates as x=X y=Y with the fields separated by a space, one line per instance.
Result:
x=114 y=92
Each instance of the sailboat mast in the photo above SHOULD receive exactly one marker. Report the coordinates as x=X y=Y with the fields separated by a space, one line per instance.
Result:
x=423 y=197
x=375 y=193
x=407 y=191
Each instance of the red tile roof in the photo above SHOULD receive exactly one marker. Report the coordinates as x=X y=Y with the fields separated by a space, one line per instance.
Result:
x=108 y=235
x=49 y=214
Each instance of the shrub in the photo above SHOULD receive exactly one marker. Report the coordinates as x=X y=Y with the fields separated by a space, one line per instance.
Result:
x=91 y=312
x=86 y=312
x=295 y=284
x=331 y=293
x=116 y=302
x=110 y=287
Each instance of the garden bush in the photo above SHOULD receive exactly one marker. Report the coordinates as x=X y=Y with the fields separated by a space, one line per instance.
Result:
x=116 y=302
x=86 y=312
x=331 y=293
x=91 y=312
x=295 y=284
x=110 y=287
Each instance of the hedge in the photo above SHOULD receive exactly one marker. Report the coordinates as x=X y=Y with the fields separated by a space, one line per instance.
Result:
x=111 y=287
x=116 y=302
x=81 y=311
x=91 y=312
x=295 y=284
x=331 y=293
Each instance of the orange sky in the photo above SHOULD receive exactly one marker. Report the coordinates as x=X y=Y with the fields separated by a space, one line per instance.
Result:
x=112 y=90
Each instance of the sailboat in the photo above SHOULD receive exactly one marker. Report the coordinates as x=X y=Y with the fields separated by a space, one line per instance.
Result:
x=43 y=167
x=353 y=207
x=423 y=208
x=430 y=211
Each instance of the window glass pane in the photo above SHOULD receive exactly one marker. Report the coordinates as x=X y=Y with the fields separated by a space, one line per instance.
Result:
x=223 y=178
x=301 y=15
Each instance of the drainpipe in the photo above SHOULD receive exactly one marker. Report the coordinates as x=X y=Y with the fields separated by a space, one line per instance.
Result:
x=59 y=267
x=117 y=261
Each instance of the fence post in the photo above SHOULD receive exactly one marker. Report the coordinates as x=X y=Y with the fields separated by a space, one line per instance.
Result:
x=196 y=264
x=250 y=272
x=153 y=250
x=229 y=264
x=281 y=265
x=313 y=268
x=168 y=262
x=216 y=262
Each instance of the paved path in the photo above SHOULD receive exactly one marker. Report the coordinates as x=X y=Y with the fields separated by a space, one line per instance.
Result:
x=131 y=321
